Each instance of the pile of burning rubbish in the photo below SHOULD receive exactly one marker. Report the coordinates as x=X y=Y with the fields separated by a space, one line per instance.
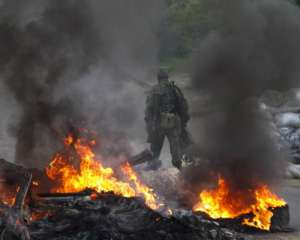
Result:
x=77 y=197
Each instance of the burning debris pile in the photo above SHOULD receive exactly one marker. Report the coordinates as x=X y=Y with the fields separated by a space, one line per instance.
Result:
x=109 y=216
x=87 y=200
x=91 y=174
x=115 y=217
x=115 y=204
x=251 y=208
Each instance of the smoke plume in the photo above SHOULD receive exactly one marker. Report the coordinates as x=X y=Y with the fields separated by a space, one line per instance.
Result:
x=253 y=46
x=75 y=63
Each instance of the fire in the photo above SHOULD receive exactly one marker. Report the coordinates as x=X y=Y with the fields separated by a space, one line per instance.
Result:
x=35 y=183
x=141 y=189
x=8 y=199
x=35 y=216
x=8 y=194
x=223 y=202
x=90 y=173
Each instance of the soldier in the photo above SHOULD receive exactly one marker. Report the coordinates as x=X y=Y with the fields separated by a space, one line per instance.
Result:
x=166 y=115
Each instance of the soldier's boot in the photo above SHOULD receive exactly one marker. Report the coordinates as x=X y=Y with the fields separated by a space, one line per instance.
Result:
x=156 y=146
x=175 y=149
x=177 y=163
x=186 y=161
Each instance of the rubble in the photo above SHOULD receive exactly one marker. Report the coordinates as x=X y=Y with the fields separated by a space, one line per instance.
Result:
x=114 y=217
x=90 y=215
x=14 y=217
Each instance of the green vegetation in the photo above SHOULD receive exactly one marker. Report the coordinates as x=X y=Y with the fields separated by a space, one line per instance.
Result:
x=185 y=24
x=187 y=20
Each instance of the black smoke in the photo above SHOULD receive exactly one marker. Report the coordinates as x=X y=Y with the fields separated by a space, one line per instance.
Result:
x=253 y=46
x=64 y=61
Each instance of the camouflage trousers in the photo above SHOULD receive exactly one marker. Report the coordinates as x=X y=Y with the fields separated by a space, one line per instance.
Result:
x=174 y=137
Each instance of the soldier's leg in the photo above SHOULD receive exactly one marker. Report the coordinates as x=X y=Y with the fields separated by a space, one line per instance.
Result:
x=175 y=146
x=156 y=146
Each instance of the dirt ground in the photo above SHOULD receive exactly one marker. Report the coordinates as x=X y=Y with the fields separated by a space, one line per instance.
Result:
x=291 y=193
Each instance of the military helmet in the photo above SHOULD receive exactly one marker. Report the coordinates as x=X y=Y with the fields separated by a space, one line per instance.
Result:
x=162 y=74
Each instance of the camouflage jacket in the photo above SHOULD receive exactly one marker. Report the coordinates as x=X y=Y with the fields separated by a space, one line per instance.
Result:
x=165 y=97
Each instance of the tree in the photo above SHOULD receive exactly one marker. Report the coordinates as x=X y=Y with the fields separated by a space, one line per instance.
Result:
x=183 y=26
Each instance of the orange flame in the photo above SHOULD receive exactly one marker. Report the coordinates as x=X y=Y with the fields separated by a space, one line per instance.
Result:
x=8 y=194
x=35 y=183
x=36 y=216
x=92 y=174
x=141 y=189
x=8 y=199
x=223 y=202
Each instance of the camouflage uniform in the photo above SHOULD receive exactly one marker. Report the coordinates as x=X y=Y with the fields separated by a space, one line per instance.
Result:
x=167 y=116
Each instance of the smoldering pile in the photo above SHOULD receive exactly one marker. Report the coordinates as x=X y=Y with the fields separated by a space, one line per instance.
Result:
x=92 y=215
x=113 y=217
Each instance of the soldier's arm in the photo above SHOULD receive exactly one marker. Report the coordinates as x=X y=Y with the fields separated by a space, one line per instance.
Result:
x=150 y=116
x=149 y=111
x=183 y=106
x=149 y=108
